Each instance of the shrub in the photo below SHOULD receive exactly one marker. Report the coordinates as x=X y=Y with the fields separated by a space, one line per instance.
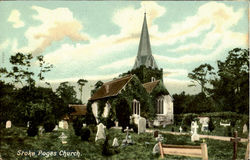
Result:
x=85 y=134
x=49 y=126
x=134 y=127
x=77 y=125
x=93 y=128
x=229 y=131
x=211 y=124
x=32 y=130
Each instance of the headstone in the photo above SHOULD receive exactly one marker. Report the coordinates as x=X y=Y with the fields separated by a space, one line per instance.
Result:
x=115 y=142
x=41 y=130
x=141 y=125
x=192 y=127
x=28 y=124
x=63 y=138
x=61 y=124
x=180 y=129
x=100 y=132
x=8 y=124
x=116 y=123
x=65 y=125
x=56 y=128
x=84 y=125
x=195 y=136
x=225 y=124
x=156 y=149
x=156 y=134
x=159 y=138
x=244 y=128
x=128 y=139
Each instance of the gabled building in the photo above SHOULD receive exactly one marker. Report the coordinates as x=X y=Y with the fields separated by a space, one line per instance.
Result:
x=150 y=84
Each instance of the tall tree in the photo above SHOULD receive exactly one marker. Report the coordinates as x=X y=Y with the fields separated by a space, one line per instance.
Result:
x=67 y=93
x=231 y=88
x=44 y=67
x=201 y=75
x=81 y=83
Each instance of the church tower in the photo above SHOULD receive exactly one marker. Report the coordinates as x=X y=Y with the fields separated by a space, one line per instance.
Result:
x=144 y=54
x=145 y=66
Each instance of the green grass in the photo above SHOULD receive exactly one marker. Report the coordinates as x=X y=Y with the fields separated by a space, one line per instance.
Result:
x=15 y=139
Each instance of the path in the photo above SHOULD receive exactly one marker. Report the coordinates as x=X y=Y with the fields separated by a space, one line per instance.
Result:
x=201 y=135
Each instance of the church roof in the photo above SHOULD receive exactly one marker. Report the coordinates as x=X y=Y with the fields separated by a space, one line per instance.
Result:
x=80 y=109
x=144 y=55
x=111 y=88
x=150 y=85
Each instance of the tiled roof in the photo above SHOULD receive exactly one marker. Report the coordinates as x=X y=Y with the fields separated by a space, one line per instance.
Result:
x=80 y=109
x=111 y=88
x=150 y=85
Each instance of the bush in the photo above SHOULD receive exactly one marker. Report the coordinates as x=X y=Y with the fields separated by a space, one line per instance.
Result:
x=85 y=134
x=188 y=118
x=77 y=125
x=49 y=126
x=134 y=127
x=32 y=130
x=92 y=128
x=211 y=124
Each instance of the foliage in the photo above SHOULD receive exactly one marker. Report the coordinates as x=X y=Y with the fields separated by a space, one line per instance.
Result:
x=97 y=86
x=32 y=130
x=201 y=75
x=77 y=125
x=44 y=67
x=211 y=124
x=85 y=134
x=134 y=127
x=49 y=123
x=67 y=93
x=145 y=74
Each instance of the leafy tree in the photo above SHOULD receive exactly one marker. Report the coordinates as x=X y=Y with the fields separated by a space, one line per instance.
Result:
x=231 y=88
x=97 y=86
x=67 y=93
x=81 y=83
x=201 y=75
x=44 y=67
x=21 y=69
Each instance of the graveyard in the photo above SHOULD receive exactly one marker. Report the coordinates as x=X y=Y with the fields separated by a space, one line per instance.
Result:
x=16 y=144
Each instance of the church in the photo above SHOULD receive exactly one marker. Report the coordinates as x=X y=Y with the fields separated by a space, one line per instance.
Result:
x=140 y=91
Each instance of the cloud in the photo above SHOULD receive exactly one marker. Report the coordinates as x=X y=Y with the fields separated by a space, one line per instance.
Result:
x=5 y=44
x=127 y=62
x=55 y=25
x=15 y=19
x=167 y=72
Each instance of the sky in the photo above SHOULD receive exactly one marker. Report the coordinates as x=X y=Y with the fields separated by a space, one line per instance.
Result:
x=98 y=40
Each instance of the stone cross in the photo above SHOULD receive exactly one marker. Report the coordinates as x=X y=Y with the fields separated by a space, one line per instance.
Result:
x=180 y=129
x=236 y=139
x=195 y=126
x=127 y=130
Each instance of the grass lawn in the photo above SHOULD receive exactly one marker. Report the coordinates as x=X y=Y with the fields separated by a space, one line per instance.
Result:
x=15 y=140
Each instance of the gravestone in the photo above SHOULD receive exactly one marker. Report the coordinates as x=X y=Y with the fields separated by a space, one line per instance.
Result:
x=192 y=127
x=56 y=128
x=195 y=136
x=8 y=124
x=61 y=124
x=41 y=130
x=141 y=125
x=115 y=142
x=100 y=132
x=244 y=128
x=28 y=124
x=156 y=149
x=63 y=138
x=65 y=125
x=84 y=125
x=156 y=134
x=180 y=129
x=225 y=124
x=128 y=139
x=116 y=124
x=159 y=138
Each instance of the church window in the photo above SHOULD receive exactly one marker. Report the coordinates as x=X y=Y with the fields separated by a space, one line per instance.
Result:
x=136 y=107
x=160 y=106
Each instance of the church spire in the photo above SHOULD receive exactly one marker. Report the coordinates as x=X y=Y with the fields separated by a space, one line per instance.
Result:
x=144 y=54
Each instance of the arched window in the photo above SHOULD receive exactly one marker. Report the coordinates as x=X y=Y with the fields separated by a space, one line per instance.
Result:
x=136 y=107
x=160 y=106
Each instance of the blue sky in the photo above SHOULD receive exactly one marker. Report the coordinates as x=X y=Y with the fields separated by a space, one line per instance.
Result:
x=99 y=40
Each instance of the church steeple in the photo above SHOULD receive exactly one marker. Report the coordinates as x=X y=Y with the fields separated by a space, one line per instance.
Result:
x=144 y=54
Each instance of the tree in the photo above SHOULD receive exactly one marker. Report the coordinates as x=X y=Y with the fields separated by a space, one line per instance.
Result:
x=44 y=67
x=81 y=83
x=21 y=69
x=67 y=93
x=201 y=75
x=97 y=86
x=231 y=88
